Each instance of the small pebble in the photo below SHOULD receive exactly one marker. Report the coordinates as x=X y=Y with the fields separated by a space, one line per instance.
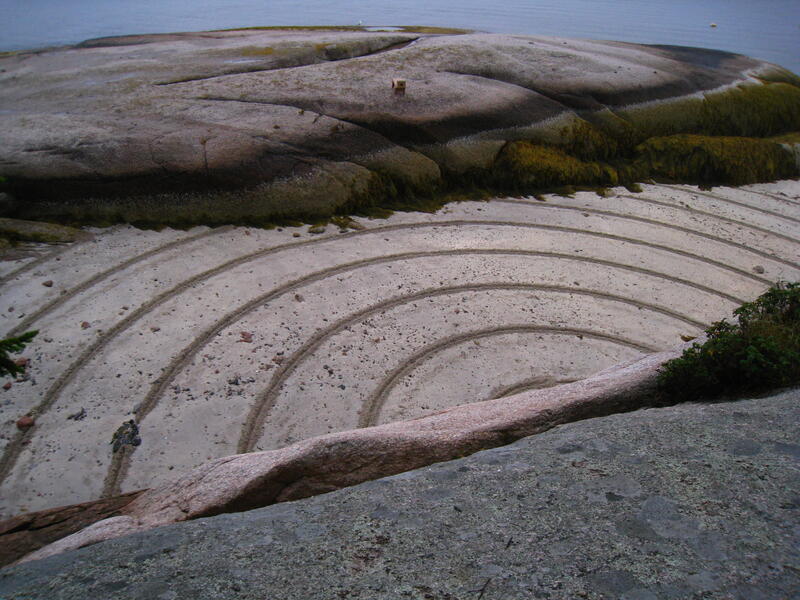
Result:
x=85 y=325
x=25 y=422
x=48 y=283
x=758 y=269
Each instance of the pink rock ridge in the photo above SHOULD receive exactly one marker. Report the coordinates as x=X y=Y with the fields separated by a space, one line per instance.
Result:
x=323 y=464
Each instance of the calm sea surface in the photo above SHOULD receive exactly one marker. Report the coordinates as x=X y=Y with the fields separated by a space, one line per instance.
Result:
x=767 y=29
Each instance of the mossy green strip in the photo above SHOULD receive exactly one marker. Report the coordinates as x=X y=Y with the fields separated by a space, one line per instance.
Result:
x=703 y=159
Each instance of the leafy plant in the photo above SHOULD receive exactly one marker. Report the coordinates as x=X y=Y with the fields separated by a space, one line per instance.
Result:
x=760 y=351
x=13 y=344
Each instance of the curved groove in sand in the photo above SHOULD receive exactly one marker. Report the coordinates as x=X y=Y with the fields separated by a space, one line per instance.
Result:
x=13 y=449
x=786 y=199
x=38 y=261
x=534 y=383
x=713 y=196
x=119 y=466
x=251 y=431
x=711 y=215
x=372 y=407
x=85 y=285
x=609 y=213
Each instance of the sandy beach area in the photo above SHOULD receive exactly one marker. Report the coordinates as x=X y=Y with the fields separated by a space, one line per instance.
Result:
x=228 y=340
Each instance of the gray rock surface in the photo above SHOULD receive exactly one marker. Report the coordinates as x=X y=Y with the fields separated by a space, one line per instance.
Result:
x=693 y=501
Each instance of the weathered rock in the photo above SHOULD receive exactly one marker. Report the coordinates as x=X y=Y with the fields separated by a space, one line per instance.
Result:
x=253 y=125
x=28 y=532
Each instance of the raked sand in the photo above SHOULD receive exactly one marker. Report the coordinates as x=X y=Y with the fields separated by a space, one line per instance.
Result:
x=230 y=340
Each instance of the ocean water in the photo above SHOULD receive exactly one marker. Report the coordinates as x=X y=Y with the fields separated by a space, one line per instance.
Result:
x=766 y=29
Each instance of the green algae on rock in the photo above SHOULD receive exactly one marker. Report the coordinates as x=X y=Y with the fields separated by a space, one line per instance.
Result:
x=706 y=159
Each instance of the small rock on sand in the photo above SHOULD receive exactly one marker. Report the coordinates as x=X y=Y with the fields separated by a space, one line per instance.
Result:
x=25 y=422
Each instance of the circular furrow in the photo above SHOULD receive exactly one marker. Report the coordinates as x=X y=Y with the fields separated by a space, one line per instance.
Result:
x=316 y=301
x=107 y=307
x=764 y=222
x=759 y=240
x=194 y=388
x=715 y=260
x=773 y=191
x=81 y=265
x=92 y=386
x=16 y=268
x=304 y=400
x=77 y=324
x=440 y=389
x=780 y=210
x=97 y=279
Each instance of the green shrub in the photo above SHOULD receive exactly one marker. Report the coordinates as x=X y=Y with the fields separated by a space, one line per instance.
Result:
x=761 y=351
x=14 y=344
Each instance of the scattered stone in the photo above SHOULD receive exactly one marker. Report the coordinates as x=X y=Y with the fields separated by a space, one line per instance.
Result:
x=299 y=298
x=7 y=386
x=758 y=269
x=688 y=338
x=22 y=362
x=25 y=422
x=126 y=435
x=155 y=329
x=277 y=359
x=246 y=337
x=48 y=283
x=316 y=229
x=295 y=234
x=78 y=416
x=85 y=325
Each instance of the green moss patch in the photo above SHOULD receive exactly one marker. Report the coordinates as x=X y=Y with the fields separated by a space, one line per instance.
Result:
x=704 y=159
x=527 y=166
x=752 y=111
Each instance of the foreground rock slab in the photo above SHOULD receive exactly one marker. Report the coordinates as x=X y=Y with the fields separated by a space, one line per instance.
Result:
x=697 y=499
